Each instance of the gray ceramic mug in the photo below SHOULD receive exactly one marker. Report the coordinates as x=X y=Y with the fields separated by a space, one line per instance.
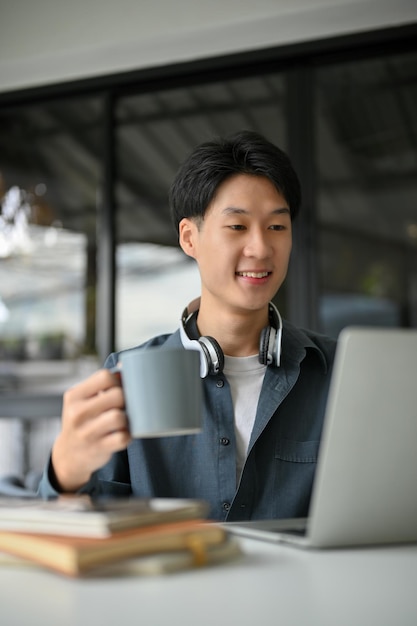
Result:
x=163 y=391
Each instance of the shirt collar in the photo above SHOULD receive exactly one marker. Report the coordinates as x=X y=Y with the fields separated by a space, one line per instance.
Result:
x=297 y=342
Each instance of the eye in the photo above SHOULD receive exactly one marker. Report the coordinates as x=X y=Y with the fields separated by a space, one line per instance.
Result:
x=278 y=227
x=237 y=227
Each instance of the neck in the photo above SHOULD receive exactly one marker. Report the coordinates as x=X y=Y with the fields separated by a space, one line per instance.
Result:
x=237 y=333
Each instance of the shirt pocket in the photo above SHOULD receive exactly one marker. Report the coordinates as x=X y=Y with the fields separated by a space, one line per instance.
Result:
x=297 y=451
x=295 y=466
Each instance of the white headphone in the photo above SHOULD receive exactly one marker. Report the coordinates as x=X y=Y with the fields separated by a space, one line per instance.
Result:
x=211 y=354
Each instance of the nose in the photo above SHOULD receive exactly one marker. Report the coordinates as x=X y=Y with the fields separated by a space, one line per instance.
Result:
x=258 y=244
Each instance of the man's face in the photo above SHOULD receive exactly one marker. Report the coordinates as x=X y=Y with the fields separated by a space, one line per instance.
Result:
x=243 y=245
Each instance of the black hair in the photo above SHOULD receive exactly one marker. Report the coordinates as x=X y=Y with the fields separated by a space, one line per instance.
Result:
x=212 y=162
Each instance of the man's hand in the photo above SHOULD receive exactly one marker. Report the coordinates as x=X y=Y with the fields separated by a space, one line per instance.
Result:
x=94 y=425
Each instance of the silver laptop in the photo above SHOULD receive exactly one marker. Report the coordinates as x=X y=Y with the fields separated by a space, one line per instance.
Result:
x=365 y=488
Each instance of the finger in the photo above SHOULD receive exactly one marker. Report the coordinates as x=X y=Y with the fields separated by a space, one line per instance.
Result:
x=107 y=423
x=114 y=440
x=99 y=381
x=77 y=410
x=111 y=398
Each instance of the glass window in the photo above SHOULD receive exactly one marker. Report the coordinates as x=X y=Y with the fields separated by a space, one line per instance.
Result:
x=154 y=133
x=49 y=171
x=367 y=193
x=49 y=174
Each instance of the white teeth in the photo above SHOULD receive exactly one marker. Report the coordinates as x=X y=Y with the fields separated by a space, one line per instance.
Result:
x=253 y=274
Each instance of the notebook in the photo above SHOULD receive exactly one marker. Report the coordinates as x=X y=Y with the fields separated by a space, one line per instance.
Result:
x=365 y=487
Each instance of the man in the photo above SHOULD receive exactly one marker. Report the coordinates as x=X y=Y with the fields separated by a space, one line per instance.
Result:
x=233 y=202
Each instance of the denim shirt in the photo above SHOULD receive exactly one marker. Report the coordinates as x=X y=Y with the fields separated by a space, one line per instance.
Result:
x=277 y=476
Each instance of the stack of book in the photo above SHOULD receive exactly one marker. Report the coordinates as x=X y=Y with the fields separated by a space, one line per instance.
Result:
x=79 y=536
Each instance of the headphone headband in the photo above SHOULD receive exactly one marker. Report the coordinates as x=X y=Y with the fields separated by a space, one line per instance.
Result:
x=211 y=354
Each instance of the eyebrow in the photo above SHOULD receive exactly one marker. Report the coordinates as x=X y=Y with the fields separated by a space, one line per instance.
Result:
x=236 y=210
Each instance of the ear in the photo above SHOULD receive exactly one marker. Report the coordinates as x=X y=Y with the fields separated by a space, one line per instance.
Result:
x=187 y=236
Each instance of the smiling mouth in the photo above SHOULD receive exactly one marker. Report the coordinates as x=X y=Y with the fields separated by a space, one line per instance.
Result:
x=253 y=274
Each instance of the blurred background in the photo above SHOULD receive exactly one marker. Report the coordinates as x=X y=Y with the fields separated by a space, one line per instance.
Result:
x=98 y=107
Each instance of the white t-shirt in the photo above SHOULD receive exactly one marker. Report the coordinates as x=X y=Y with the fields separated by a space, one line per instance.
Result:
x=245 y=376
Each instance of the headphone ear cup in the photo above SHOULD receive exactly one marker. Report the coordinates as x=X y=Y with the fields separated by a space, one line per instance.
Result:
x=270 y=339
x=264 y=345
x=213 y=354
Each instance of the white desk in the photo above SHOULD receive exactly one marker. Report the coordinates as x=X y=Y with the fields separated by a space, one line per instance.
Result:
x=271 y=585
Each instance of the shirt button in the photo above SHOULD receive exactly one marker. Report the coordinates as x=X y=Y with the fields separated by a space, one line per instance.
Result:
x=224 y=441
x=226 y=506
x=220 y=384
